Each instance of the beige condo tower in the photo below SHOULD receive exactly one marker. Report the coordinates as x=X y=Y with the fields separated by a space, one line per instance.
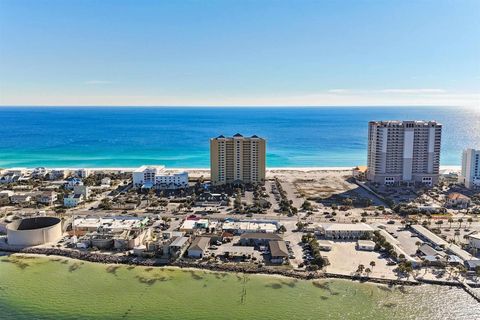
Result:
x=404 y=152
x=237 y=159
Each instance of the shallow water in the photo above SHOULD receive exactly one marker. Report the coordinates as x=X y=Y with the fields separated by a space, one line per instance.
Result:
x=58 y=288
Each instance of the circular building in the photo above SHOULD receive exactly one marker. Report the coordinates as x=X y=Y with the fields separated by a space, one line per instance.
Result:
x=34 y=231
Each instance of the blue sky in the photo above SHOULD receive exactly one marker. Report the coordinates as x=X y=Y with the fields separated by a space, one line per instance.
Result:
x=137 y=52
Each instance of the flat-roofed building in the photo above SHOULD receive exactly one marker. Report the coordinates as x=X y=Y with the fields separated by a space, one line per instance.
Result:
x=237 y=159
x=324 y=245
x=470 y=175
x=365 y=245
x=258 y=238
x=347 y=230
x=249 y=226
x=474 y=240
x=429 y=236
x=404 y=152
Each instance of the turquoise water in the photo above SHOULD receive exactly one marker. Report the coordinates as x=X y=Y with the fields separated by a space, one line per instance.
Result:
x=179 y=137
x=58 y=288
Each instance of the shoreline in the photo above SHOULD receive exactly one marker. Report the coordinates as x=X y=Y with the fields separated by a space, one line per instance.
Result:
x=100 y=258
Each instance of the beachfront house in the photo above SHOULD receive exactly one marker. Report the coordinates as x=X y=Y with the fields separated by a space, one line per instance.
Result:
x=5 y=196
x=198 y=247
x=47 y=197
x=21 y=198
x=72 y=200
x=278 y=251
x=72 y=182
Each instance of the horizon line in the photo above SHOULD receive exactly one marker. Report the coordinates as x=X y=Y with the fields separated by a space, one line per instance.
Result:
x=237 y=106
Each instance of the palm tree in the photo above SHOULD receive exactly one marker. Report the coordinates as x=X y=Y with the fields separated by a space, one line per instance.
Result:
x=450 y=220
x=360 y=268
x=460 y=221
x=469 y=220
x=368 y=271
x=372 y=264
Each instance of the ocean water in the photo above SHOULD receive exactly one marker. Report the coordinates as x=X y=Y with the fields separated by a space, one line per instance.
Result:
x=179 y=137
x=58 y=288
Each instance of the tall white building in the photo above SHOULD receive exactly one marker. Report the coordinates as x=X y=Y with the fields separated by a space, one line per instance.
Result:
x=404 y=152
x=156 y=176
x=470 y=175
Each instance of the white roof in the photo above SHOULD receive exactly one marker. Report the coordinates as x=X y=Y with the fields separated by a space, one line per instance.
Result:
x=250 y=226
x=188 y=225
x=179 y=242
x=459 y=252
x=324 y=243
x=112 y=223
x=143 y=168
x=347 y=227
x=475 y=236
x=366 y=243
x=430 y=236
x=389 y=237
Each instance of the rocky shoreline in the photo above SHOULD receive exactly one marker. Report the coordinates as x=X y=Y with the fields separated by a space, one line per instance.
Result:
x=149 y=262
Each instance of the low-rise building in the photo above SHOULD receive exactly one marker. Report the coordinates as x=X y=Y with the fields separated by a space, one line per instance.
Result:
x=21 y=198
x=474 y=240
x=39 y=172
x=249 y=226
x=178 y=245
x=47 y=197
x=9 y=178
x=198 y=247
x=365 y=245
x=5 y=196
x=211 y=199
x=72 y=200
x=360 y=172
x=429 y=236
x=106 y=182
x=324 y=245
x=258 y=238
x=72 y=182
x=82 y=190
x=56 y=175
x=347 y=230
x=83 y=173
x=457 y=200
x=278 y=251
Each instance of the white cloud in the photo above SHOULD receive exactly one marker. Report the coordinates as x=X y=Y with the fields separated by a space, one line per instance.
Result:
x=413 y=91
x=334 y=97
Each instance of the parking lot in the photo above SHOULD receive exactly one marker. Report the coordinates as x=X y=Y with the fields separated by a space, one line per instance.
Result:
x=344 y=258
